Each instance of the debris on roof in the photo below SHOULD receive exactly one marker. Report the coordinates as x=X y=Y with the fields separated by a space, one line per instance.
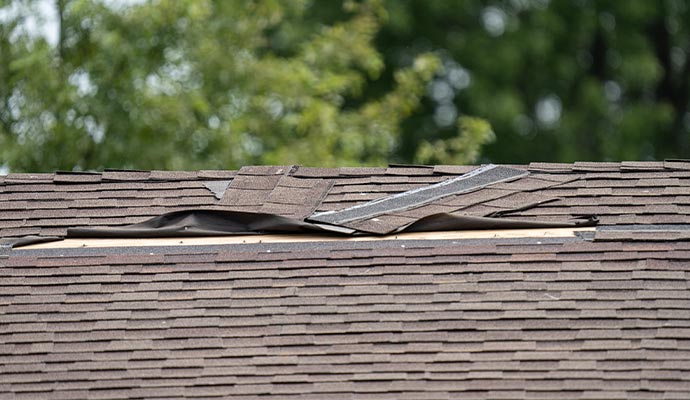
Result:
x=600 y=314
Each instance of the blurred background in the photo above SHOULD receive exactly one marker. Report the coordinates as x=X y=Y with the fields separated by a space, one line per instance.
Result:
x=203 y=84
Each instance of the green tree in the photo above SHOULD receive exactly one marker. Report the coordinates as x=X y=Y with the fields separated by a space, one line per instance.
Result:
x=186 y=84
x=558 y=80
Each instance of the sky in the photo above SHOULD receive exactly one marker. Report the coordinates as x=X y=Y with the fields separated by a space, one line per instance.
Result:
x=43 y=20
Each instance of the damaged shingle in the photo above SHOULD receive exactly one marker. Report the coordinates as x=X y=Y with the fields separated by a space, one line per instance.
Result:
x=473 y=180
x=217 y=187
x=603 y=314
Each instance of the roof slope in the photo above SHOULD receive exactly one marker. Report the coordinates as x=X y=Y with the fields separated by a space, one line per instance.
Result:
x=603 y=315
x=619 y=193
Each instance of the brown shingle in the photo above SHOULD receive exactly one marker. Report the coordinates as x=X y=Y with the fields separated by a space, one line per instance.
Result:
x=642 y=166
x=410 y=170
x=173 y=175
x=511 y=318
x=361 y=171
x=453 y=169
x=245 y=197
x=261 y=170
x=125 y=175
x=550 y=167
x=216 y=174
x=675 y=164
x=77 y=177
x=19 y=178
x=596 y=166
x=311 y=172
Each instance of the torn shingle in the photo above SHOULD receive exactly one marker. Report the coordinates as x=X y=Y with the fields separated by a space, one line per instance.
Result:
x=217 y=187
x=476 y=179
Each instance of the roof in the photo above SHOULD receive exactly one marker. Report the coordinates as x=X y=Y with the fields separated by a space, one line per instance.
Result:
x=601 y=313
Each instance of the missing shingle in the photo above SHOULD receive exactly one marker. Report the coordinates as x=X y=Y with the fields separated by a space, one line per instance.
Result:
x=473 y=180
x=217 y=187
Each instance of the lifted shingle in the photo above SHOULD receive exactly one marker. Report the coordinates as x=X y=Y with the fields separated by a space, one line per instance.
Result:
x=474 y=180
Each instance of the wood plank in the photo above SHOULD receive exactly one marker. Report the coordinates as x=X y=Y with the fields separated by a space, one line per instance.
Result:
x=301 y=238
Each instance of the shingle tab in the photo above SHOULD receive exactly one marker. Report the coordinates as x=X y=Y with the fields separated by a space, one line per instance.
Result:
x=76 y=177
x=410 y=170
x=550 y=167
x=216 y=174
x=596 y=166
x=361 y=171
x=19 y=178
x=642 y=166
x=125 y=175
x=173 y=175
x=311 y=172
x=261 y=170
x=453 y=169
x=275 y=194
x=676 y=164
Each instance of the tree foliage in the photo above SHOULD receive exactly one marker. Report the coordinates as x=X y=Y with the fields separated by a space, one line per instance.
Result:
x=202 y=84
x=558 y=80
x=191 y=84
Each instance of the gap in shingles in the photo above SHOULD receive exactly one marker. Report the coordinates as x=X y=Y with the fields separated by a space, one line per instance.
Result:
x=218 y=188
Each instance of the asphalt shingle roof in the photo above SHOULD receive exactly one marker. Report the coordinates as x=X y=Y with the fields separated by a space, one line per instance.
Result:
x=599 y=316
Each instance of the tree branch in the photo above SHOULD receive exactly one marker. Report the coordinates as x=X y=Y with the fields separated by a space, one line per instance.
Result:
x=672 y=87
x=682 y=99
x=662 y=48
x=60 y=4
x=6 y=125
